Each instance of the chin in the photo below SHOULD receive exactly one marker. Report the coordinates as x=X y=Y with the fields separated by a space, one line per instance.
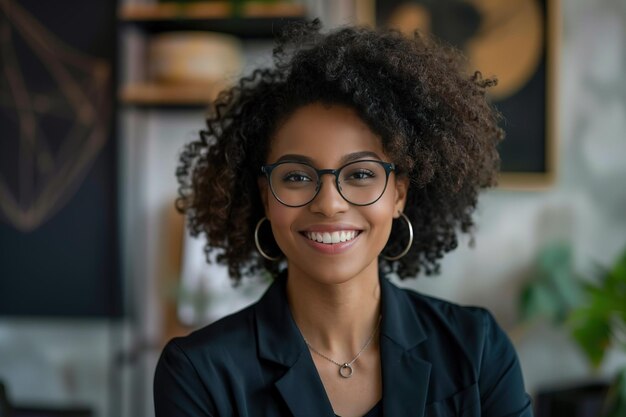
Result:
x=333 y=273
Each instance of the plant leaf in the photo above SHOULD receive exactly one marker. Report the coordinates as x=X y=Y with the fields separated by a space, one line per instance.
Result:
x=593 y=334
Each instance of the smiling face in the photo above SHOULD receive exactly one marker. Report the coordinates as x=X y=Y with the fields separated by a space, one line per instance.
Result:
x=329 y=239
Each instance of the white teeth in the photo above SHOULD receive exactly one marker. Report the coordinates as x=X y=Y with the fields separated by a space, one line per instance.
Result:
x=334 y=237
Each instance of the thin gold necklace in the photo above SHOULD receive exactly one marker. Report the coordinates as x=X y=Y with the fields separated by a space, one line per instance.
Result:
x=345 y=369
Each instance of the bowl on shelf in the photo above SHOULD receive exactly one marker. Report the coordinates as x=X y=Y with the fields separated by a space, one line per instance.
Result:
x=194 y=58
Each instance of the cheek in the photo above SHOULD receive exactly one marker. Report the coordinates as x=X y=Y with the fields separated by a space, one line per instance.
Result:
x=282 y=218
x=380 y=217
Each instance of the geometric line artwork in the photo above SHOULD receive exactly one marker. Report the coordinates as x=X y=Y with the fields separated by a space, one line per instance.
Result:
x=46 y=85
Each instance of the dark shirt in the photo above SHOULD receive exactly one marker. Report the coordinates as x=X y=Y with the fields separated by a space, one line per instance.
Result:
x=437 y=359
x=376 y=411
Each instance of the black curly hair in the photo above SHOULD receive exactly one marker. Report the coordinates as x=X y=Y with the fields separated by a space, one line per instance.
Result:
x=433 y=118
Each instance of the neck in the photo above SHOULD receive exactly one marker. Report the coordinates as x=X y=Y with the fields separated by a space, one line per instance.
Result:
x=337 y=318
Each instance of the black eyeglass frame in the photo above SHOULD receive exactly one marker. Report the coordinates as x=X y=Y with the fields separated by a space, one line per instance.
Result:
x=267 y=170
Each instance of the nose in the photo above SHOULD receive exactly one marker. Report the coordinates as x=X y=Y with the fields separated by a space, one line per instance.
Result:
x=328 y=201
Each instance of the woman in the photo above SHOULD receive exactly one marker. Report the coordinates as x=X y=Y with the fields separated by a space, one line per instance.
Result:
x=360 y=154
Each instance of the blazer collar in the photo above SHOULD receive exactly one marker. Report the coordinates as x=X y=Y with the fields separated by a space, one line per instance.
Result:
x=405 y=375
x=279 y=340
x=400 y=322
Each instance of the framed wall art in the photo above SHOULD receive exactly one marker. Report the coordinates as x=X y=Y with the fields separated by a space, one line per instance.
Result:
x=516 y=42
x=58 y=160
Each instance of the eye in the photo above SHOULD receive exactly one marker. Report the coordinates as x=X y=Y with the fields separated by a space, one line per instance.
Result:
x=296 y=177
x=360 y=174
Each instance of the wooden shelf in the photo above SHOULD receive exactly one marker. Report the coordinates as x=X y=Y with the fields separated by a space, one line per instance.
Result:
x=244 y=19
x=166 y=11
x=169 y=95
x=251 y=19
x=209 y=10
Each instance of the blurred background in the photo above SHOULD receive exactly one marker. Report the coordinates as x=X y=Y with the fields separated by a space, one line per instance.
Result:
x=97 y=99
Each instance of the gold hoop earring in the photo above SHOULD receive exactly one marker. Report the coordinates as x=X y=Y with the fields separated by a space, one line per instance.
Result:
x=408 y=247
x=258 y=245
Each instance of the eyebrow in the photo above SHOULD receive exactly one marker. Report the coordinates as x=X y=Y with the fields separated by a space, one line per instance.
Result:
x=344 y=159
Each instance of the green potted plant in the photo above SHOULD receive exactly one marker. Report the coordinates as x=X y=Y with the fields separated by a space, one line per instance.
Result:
x=593 y=311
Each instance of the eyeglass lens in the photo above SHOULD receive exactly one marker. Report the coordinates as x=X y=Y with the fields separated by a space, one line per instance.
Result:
x=360 y=182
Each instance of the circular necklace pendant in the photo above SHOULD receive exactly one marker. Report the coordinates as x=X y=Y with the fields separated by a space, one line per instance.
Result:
x=346 y=370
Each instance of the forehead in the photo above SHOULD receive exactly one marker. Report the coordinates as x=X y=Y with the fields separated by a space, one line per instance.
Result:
x=324 y=134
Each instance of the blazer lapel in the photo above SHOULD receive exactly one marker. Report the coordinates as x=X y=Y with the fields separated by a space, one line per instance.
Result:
x=280 y=341
x=405 y=374
x=303 y=391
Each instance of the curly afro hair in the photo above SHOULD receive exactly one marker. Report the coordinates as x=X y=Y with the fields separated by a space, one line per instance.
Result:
x=433 y=119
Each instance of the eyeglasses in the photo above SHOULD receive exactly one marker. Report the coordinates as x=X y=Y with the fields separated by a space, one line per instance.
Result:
x=296 y=184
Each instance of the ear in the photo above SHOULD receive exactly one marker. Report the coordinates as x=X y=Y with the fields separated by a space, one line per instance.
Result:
x=263 y=190
x=401 y=190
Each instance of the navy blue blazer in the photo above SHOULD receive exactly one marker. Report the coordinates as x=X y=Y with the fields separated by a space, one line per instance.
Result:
x=438 y=359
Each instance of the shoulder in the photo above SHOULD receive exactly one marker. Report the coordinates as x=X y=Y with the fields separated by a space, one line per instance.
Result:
x=466 y=343
x=470 y=332
x=435 y=312
x=228 y=334
x=189 y=366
